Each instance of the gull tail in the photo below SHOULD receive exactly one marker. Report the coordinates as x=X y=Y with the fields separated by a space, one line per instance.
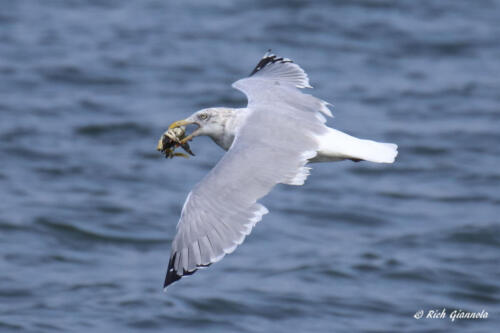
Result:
x=336 y=146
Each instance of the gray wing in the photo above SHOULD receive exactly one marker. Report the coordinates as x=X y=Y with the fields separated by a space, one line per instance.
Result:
x=272 y=146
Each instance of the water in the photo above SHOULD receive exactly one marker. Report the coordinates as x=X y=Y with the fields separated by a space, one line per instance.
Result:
x=89 y=208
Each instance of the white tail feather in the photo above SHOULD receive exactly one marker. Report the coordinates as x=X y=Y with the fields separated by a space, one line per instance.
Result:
x=336 y=145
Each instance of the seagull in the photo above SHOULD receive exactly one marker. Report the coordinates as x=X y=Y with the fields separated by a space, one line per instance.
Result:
x=269 y=142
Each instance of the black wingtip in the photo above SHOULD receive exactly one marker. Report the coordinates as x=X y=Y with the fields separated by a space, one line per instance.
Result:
x=172 y=275
x=267 y=59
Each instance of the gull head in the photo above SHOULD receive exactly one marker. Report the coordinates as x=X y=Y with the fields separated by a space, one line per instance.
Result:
x=210 y=122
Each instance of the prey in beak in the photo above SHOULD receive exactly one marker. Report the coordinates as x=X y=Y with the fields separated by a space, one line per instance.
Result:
x=183 y=123
x=176 y=137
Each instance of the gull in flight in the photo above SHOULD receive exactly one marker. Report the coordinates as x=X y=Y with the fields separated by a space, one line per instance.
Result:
x=269 y=142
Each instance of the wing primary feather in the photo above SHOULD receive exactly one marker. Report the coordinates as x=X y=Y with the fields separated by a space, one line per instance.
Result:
x=172 y=275
x=268 y=58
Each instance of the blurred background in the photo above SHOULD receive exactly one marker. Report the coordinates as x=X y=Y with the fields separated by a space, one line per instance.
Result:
x=88 y=208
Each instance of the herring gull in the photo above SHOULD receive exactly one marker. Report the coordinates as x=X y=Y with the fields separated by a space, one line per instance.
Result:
x=269 y=142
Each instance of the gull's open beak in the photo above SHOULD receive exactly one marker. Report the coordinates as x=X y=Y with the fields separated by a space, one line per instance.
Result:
x=185 y=122
x=180 y=123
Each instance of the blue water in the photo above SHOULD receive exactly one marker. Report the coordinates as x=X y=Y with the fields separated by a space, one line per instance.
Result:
x=88 y=208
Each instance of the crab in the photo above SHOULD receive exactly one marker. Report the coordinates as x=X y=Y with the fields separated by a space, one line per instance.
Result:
x=171 y=140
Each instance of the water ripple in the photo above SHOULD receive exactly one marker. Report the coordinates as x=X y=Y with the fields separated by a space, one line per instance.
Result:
x=89 y=209
x=96 y=235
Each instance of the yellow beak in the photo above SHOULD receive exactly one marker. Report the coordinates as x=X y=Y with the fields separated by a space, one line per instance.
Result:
x=179 y=123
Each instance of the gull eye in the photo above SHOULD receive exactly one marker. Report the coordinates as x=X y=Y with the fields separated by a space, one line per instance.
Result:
x=202 y=116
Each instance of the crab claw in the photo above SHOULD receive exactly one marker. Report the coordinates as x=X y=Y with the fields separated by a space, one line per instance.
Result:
x=161 y=144
x=186 y=147
x=180 y=154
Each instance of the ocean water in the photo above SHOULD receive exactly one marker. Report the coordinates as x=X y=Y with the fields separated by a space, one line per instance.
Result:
x=88 y=208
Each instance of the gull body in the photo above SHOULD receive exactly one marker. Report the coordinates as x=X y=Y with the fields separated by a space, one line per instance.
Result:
x=280 y=131
x=221 y=124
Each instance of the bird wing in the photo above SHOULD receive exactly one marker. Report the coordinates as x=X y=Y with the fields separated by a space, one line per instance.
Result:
x=272 y=146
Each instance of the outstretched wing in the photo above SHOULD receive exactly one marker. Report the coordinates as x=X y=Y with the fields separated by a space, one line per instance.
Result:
x=272 y=146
